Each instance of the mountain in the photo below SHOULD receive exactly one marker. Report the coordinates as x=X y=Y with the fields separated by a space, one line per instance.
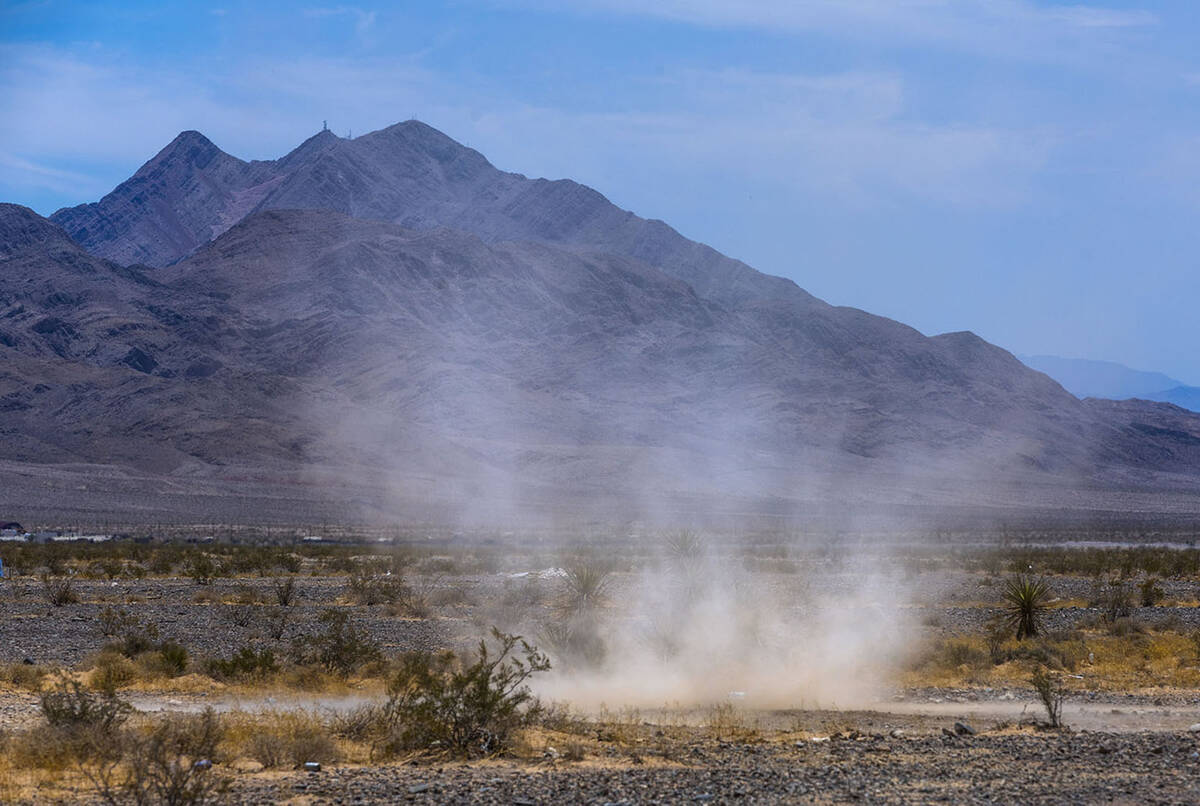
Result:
x=408 y=174
x=391 y=327
x=1106 y=379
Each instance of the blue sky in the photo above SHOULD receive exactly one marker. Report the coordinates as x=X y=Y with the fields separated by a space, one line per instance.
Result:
x=1026 y=170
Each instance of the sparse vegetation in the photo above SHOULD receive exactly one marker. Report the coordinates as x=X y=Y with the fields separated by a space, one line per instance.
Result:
x=585 y=587
x=1025 y=604
x=285 y=592
x=437 y=700
x=169 y=763
x=1051 y=693
x=340 y=646
x=59 y=590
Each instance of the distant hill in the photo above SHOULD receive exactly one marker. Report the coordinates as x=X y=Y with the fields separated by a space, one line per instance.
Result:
x=380 y=323
x=1107 y=379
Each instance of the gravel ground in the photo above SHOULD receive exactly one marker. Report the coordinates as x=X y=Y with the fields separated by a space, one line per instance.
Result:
x=949 y=603
x=1044 y=769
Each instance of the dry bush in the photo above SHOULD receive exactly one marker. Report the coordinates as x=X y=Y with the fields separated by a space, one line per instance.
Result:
x=726 y=721
x=1115 y=600
x=168 y=763
x=27 y=676
x=450 y=596
x=368 y=586
x=276 y=621
x=116 y=622
x=362 y=724
x=245 y=595
x=169 y=659
x=291 y=741
x=285 y=592
x=59 y=591
x=111 y=671
x=1151 y=592
x=238 y=615
x=1051 y=693
x=69 y=705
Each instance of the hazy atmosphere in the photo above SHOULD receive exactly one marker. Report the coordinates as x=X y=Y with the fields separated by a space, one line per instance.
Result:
x=1025 y=170
x=526 y=402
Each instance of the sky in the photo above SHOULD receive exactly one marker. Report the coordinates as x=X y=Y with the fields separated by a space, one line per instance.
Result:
x=1026 y=170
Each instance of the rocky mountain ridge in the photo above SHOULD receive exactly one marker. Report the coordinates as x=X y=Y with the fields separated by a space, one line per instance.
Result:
x=394 y=308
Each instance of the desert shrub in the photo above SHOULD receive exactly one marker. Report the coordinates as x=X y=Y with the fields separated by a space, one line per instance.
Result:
x=361 y=724
x=59 y=591
x=247 y=662
x=292 y=743
x=111 y=671
x=285 y=592
x=136 y=638
x=22 y=675
x=246 y=595
x=1151 y=592
x=69 y=705
x=686 y=546
x=201 y=569
x=116 y=621
x=170 y=763
x=962 y=653
x=1126 y=627
x=239 y=615
x=574 y=642
x=438 y=701
x=340 y=646
x=367 y=586
x=1115 y=601
x=170 y=659
x=1025 y=604
x=585 y=587
x=996 y=634
x=1051 y=693
x=439 y=566
x=275 y=623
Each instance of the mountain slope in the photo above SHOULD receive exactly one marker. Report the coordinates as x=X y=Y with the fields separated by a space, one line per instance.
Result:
x=393 y=307
x=408 y=174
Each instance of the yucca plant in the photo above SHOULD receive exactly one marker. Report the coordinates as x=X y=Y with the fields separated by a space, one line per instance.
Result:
x=585 y=587
x=1025 y=604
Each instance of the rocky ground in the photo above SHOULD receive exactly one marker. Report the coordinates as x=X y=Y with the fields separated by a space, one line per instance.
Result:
x=1067 y=768
x=1121 y=747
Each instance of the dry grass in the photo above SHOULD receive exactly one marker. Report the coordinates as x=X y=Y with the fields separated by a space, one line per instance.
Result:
x=1101 y=660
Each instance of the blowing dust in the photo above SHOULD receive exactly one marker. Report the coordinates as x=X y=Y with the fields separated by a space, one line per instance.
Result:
x=700 y=627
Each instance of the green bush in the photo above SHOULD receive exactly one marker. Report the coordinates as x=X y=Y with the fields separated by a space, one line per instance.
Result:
x=1025 y=604
x=341 y=646
x=437 y=701
x=247 y=662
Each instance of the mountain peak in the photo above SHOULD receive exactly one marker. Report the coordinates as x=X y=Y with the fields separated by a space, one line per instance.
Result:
x=319 y=142
x=188 y=148
x=21 y=227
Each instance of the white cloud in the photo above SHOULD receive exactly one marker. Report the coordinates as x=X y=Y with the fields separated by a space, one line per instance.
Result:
x=842 y=135
x=1009 y=27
